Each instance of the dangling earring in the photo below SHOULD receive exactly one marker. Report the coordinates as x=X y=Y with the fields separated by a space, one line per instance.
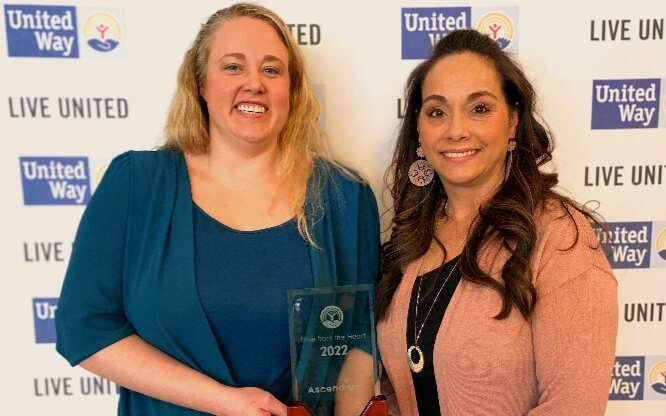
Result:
x=510 y=149
x=420 y=173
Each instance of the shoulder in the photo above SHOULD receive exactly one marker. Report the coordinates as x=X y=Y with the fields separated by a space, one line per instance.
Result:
x=146 y=164
x=336 y=181
x=341 y=194
x=562 y=225
x=132 y=159
x=335 y=173
x=567 y=247
x=151 y=158
x=141 y=172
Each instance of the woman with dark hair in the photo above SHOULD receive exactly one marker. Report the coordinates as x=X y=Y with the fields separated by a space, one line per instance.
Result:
x=177 y=284
x=480 y=232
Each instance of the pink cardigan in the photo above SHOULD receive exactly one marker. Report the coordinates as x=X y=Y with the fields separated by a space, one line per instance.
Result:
x=557 y=364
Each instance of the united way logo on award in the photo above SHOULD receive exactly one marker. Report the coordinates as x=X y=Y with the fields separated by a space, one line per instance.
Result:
x=333 y=352
x=331 y=316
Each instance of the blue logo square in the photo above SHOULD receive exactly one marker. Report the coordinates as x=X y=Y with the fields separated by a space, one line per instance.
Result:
x=627 y=244
x=41 y=31
x=625 y=103
x=44 y=310
x=627 y=382
x=55 y=180
x=422 y=27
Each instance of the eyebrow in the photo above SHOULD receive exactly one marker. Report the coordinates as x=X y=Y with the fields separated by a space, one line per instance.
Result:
x=238 y=55
x=478 y=94
x=471 y=97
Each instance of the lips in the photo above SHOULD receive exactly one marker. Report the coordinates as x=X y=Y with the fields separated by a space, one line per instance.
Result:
x=251 y=108
x=456 y=155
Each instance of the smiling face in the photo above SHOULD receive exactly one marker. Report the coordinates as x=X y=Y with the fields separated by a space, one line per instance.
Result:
x=246 y=87
x=465 y=123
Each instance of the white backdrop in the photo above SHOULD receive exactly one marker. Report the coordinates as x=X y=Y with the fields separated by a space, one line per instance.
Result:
x=53 y=60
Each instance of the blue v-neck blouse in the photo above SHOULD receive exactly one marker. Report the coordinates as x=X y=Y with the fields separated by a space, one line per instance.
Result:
x=132 y=267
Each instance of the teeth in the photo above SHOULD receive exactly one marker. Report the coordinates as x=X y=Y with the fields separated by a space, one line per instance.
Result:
x=251 y=108
x=460 y=154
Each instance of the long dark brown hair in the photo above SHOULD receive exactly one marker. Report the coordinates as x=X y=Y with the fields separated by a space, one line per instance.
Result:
x=508 y=215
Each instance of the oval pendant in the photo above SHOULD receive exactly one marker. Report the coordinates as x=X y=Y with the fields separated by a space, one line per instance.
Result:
x=417 y=366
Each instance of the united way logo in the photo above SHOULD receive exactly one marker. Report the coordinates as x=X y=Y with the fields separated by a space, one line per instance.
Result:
x=627 y=379
x=657 y=379
x=41 y=31
x=47 y=31
x=422 y=27
x=55 y=180
x=331 y=316
x=102 y=31
x=626 y=244
x=44 y=310
x=627 y=104
x=499 y=26
x=658 y=244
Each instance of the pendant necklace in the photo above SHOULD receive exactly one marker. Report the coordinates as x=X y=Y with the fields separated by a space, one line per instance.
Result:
x=417 y=366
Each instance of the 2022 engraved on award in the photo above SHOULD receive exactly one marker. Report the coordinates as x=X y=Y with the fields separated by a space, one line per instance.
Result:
x=333 y=352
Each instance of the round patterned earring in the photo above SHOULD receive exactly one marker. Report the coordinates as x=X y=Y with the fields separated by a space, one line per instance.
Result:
x=420 y=173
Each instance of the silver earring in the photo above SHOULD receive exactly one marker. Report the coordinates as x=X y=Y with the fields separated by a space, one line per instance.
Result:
x=420 y=173
x=509 y=161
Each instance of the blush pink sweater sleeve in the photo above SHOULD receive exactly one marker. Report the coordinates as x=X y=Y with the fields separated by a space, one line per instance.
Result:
x=557 y=363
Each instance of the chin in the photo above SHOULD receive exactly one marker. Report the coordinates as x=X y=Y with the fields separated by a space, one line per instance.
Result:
x=258 y=138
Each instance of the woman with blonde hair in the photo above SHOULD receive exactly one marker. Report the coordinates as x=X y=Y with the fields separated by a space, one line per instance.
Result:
x=177 y=285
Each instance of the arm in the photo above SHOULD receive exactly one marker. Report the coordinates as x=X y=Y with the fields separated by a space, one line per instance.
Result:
x=356 y=371
x=138 y=366
x=368 y=237
x=387 y=390
x=92 y=324
x=574 y=333
x=358 y=366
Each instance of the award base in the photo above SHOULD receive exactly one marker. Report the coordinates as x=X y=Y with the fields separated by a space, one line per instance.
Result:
x=377 y=406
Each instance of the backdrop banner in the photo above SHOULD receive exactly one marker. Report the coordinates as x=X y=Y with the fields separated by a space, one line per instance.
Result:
x=85 y=80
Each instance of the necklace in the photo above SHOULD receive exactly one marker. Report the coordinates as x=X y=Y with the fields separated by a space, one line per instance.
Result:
x=417 y=366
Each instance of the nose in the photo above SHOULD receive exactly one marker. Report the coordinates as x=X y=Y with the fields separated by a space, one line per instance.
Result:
x=457 y=128
x=254 y=82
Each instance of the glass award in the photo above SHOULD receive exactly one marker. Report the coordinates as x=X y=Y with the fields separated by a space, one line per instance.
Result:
x=334 y=352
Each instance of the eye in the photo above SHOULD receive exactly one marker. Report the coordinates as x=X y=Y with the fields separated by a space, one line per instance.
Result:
x=434 y=112
x=270 y=70
x=480 y=109
x=232 y=68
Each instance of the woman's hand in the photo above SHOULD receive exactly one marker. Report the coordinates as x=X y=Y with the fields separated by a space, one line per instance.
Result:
x=252 y=401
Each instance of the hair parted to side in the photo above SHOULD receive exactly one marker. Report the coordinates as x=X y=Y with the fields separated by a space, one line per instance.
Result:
x=299 y=143
x=507 y=216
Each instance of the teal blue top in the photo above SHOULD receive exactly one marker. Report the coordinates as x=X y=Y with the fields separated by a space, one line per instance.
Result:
x=131 y=269
x=238 y=270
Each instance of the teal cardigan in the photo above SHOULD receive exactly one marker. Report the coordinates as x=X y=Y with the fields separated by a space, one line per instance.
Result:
x=132 y=265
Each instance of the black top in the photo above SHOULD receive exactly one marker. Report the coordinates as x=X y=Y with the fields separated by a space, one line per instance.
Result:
x=425 y=385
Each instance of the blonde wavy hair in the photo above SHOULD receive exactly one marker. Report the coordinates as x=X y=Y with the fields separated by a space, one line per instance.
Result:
x=300 y=142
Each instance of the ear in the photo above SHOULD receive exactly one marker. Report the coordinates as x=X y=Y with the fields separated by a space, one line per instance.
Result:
x=202 y=92
x=513 y=122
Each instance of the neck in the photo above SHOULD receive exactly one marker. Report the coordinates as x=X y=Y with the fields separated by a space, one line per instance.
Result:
x=460 y=211
x=463 y=203
x=243 y=166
